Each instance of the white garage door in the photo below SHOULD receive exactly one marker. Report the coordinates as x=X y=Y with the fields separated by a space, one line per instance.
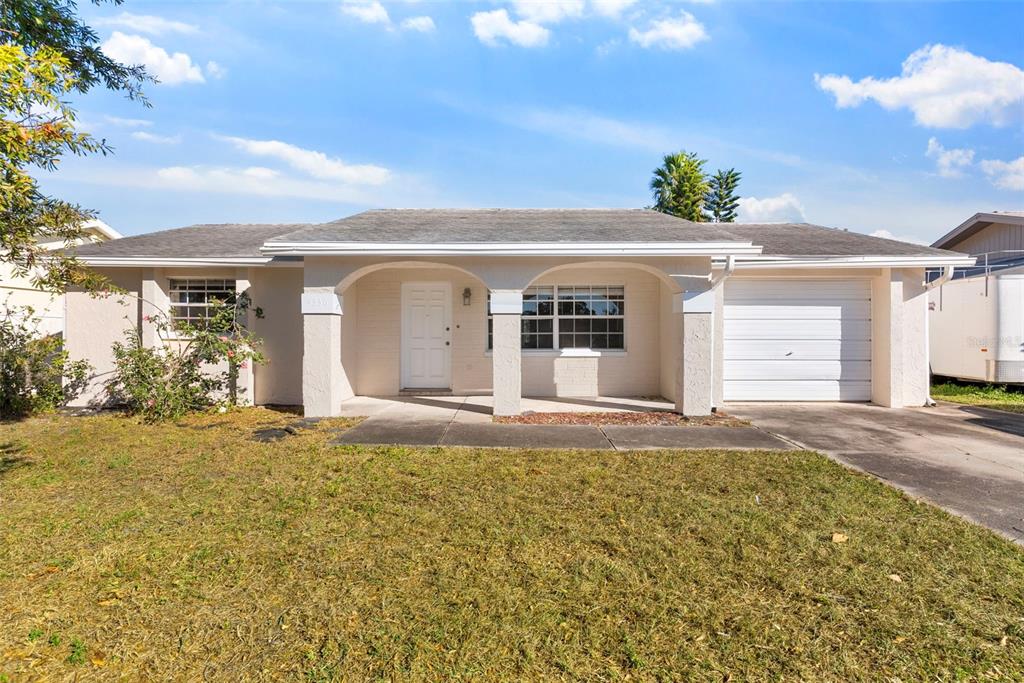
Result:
x=797 y=340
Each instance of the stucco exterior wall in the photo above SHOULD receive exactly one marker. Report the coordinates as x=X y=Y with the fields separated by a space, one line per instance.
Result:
x=668 y=340
x=94 y=324
x=278 y=292
x=16 y=291
x=899 y=347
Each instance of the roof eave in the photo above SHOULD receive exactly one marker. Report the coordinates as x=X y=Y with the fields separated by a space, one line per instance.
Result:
x=512 y=249
x=922 y=261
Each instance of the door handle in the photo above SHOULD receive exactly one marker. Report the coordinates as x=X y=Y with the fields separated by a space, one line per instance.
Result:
x=447 y=343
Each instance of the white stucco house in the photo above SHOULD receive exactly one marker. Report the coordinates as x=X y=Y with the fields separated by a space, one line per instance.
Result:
x=539 y=302
x=18 y=291
x=977 y=317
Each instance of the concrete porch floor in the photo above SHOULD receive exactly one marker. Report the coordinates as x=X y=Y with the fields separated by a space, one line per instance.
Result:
x=478 y=408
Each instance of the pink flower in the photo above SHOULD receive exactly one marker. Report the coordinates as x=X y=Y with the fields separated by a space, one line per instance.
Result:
x=148 y=318
x=150 y=403
x=243 y=365
x=222 y=338
x=231 y=354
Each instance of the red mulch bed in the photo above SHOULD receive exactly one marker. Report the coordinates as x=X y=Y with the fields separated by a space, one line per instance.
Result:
x=652 y=417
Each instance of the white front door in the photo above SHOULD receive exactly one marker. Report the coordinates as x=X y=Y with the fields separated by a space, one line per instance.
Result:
x=426 y=335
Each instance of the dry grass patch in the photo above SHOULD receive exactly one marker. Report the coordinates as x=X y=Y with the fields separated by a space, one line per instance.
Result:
x=192 y=552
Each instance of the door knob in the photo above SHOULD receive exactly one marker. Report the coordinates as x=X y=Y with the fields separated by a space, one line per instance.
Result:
x=447 y=343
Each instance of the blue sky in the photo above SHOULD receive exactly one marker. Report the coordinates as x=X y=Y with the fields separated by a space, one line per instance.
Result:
x=897 y=117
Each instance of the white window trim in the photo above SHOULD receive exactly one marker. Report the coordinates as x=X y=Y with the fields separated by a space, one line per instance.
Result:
x=574 y=352
x=174 y=334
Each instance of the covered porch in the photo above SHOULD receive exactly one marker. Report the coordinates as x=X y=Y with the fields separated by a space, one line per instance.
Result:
x=500 y=335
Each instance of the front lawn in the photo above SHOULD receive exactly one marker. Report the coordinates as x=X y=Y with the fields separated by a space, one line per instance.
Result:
x=192 y=552
x=1006 y=398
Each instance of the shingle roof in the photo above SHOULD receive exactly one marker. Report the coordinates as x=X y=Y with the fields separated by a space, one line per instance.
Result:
x=804 y=239
x=504 y=225
x=194 y=241
x=424 y=226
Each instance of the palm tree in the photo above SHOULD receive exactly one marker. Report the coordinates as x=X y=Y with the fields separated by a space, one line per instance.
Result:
x=680 y=187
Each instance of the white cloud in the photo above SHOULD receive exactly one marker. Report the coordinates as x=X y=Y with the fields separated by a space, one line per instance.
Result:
x=945 y=87
x=583 y=125
x=146 y=23
x=157 y=139
x=168 y=69
x=1006 y=175
x=548 y=11
x=255 y=180
x=611 y=8
x=366 y=11
x=421 y=24
x=315 y=164
x=949 y=162
x=494 y=26
x=782 y=209
x=886 y=235
x=128 y=123
x=678 y=33
x=215 y=70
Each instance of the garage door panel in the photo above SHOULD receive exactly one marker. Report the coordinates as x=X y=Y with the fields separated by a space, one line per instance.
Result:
x=797 y=340
x=846 y=330
x=784 y=370
x=743 y=290
x=797 y=349
x=749 y=390
x=850 y=310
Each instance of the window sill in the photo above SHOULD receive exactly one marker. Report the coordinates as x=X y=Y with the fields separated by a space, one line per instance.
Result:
x=570 y=353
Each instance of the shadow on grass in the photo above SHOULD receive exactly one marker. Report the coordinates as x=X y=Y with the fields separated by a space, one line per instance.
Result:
x=10 y=458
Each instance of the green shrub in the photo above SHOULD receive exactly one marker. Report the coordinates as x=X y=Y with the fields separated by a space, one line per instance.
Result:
x=36 y=375
x=172 y=379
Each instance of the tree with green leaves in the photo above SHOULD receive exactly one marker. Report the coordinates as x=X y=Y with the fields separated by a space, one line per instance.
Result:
x=680 y=187
x=722 y=200
x=46 y=55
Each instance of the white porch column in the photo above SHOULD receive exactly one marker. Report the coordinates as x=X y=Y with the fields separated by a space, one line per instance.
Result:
x=506 y=355
x=695 y=356
x=154 y=303
x=245 y=385
x=323 y=377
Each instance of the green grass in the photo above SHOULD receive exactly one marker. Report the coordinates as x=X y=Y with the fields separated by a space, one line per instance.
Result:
x=191 y=552
x=987 y=396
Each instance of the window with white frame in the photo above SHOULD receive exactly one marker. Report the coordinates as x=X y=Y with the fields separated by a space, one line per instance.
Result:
x=192 y=299
x=570 y=317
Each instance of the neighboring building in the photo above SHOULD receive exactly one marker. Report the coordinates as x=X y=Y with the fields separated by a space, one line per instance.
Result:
x=544 y=302
x=977 y=318
x=18 y=291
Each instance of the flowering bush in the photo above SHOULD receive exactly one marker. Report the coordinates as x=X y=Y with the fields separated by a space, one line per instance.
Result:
x=199 y=369
x=36 y=374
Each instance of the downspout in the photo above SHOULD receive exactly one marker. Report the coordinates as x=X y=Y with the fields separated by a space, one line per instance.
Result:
x=730 y=266
x=947 y=275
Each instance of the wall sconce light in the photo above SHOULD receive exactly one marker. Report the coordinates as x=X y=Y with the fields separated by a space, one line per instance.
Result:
x=467 y=296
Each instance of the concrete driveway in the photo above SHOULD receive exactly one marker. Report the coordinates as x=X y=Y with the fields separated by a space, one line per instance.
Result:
x=967 y=460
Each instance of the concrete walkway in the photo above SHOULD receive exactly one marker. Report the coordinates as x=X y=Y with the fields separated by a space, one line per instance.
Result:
x=967 y=460
x=466 y=421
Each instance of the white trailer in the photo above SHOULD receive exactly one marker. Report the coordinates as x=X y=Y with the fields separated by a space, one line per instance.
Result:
x=976 y=326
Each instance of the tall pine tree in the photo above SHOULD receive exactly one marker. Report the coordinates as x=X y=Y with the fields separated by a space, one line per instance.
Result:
x=722 y=201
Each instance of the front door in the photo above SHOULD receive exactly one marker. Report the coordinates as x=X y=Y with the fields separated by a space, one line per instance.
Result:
x=426 y=335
